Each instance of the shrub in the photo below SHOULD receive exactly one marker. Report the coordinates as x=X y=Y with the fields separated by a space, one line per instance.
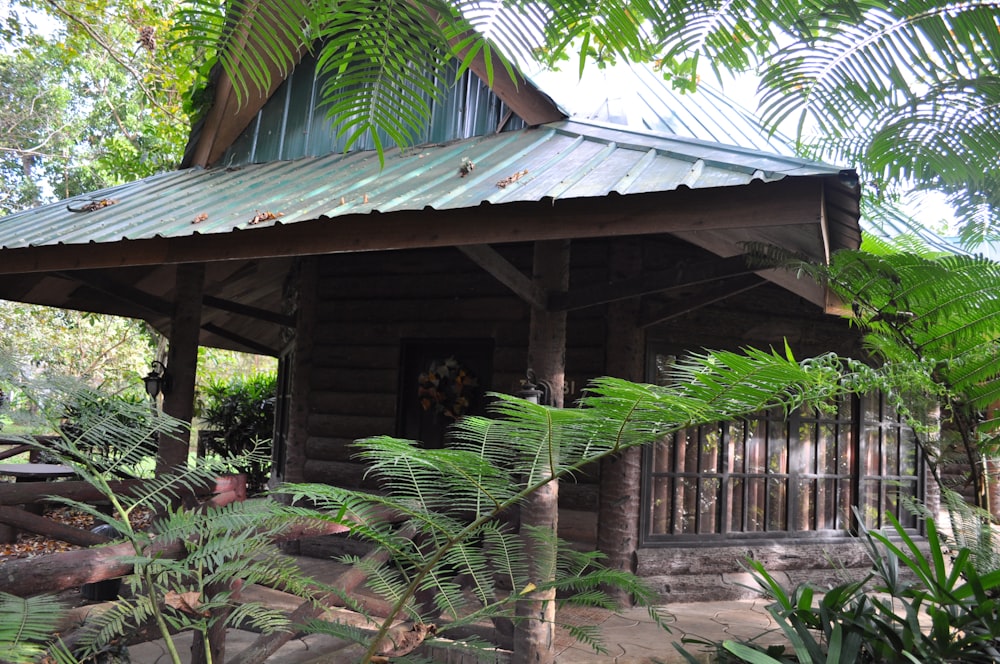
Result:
x=878 y=619
x=238 y=415
x=106 y=418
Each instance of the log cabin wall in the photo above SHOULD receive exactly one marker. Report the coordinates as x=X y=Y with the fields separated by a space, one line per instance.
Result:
x=370 y=305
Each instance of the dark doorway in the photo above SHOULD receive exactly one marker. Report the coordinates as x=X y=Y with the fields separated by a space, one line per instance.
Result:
x=441 y=380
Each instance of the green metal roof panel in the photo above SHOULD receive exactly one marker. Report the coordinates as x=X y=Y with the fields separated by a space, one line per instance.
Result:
x=558 y=161
x=294 y=124
x=637 y=95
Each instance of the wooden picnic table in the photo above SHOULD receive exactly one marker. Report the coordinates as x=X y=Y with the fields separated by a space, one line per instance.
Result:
x=35 y=472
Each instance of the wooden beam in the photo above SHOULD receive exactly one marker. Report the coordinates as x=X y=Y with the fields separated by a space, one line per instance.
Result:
x=131 y=296
x=249 y=311
x=710 y=296
x=788 y=202
x=657 y=282
x=506 y=273
x=159 y=306
x=250 y=344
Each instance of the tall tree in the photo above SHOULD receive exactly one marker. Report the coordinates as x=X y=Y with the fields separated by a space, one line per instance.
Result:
x=92 y=98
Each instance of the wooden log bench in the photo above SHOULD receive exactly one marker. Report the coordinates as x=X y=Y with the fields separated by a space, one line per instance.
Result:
x=15 y=495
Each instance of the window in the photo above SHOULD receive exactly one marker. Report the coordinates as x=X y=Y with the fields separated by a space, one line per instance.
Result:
x=775 y=477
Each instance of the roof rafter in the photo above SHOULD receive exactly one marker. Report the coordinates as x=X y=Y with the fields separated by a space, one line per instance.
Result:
x=648 y=283
x=707 y=297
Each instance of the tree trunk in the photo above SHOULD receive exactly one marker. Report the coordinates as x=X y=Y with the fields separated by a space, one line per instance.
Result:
x=182 y=363
x=621 y=475
x=215 y=636
x=59 y=571
x=534 y=633
x=20 y=493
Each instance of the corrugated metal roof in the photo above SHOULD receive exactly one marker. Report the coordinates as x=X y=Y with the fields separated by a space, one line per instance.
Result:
x=562 y=160
x=293 y=123
x=635 y=95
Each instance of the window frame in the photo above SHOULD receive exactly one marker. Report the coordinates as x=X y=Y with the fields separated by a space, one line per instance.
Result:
x=869 y=428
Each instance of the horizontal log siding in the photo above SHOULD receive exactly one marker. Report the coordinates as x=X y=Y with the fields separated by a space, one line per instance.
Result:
x=370 y=303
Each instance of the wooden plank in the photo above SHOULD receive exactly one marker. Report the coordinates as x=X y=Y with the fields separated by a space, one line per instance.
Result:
x=355 y=403
x=338 y=473
x=375 y=380
x=506 y=273
x=350 y=426
x=787 y=202
x=330 y=449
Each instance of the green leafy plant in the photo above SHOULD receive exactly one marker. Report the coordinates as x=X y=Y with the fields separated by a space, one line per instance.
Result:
x=914 y=606
x=238 y=415
x=189 y=565
x=95 y=421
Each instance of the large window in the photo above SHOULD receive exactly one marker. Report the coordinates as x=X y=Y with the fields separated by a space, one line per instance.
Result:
x=775 y=477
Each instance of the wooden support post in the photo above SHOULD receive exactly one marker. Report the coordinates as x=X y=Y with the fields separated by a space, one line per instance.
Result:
x=305 y=333
x=621 y=475
x=182 y=363
x=535 y=633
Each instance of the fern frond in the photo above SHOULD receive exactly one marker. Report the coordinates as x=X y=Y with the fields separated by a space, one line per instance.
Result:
x=259 y=617
x=27 y=625
x=248 y=37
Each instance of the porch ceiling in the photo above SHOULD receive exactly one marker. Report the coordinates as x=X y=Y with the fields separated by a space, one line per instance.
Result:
x=562 y=180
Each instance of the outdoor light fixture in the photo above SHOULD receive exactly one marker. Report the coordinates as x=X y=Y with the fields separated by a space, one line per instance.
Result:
x=534 y=390
x=157 y=381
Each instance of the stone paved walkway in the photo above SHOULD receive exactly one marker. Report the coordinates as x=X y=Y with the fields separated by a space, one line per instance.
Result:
x=630 y=637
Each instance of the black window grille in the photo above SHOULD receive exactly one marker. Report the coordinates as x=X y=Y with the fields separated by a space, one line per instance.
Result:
x=769 y=476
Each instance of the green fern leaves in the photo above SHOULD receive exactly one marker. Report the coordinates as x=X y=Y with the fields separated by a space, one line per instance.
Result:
x=26 y=625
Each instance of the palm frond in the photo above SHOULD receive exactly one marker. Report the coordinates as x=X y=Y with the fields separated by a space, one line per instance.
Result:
x=516 y=28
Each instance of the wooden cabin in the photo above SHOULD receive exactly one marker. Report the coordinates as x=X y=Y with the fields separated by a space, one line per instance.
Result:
x=361 y=278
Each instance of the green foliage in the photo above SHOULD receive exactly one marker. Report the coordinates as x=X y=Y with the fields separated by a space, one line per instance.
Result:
x=105 y=352
x=226 y=546
x=26 y=624
x=932 y=322
x=239 y=416
x=937 y=611
x=455 y=498
x=96 y=422
x=83 y=107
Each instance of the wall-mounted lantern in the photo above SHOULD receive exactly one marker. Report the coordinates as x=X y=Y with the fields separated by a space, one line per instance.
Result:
x=535 y=390
x=157 y=381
